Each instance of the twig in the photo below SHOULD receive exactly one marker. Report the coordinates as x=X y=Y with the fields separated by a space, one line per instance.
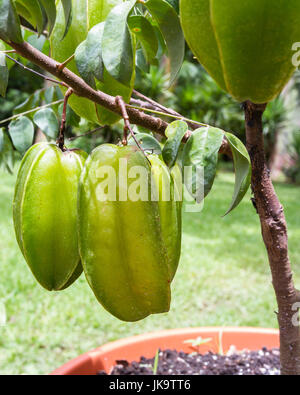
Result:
x=44 y=32
x=36 y=72
x=180 y=117
x=193 y=124
x=61 y=66
x=30 y=111
x=141 y=103
x=144 y=105
x=8 y=51
x=87 y=133
x=61 y=138
x=156 y=104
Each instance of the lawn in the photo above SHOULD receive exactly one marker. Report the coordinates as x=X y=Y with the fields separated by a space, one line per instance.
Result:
x=223 y=280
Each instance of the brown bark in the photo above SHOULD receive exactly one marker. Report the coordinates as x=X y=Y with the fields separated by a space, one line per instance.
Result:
x=61 y=137
x=274 y=232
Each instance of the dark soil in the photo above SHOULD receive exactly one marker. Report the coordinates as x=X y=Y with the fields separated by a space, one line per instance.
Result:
x=171 y=362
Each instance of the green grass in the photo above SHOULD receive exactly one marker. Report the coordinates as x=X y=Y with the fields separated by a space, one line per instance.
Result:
x=223 y=279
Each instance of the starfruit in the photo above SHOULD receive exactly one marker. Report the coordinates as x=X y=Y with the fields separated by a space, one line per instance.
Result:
x=246 y=46
x=85 y=15
x=129 y=237
x=45 y=214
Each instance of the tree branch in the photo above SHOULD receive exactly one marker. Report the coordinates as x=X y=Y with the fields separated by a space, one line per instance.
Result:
x=82 y=89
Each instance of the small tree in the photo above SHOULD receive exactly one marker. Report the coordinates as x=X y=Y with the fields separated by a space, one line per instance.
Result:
x=94 y=64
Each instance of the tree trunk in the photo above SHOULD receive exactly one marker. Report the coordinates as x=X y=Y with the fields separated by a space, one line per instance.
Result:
x=274 y=232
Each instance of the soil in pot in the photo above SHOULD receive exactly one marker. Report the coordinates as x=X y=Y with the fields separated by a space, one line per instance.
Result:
x=171 y=362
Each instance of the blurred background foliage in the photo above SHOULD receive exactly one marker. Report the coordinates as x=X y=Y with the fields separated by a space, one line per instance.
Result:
x=194 y=95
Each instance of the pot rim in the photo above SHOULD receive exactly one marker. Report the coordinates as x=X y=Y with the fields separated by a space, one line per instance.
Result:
x=92 y=357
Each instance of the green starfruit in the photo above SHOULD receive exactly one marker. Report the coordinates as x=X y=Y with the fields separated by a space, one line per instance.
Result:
x=246 y=46
x=45 y=214
x=129 y=232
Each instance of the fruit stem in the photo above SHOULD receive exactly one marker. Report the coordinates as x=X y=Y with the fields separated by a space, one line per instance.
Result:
x=61 y=137
x=127 y=127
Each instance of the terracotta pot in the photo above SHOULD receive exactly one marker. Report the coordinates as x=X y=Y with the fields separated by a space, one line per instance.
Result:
x=132 y=348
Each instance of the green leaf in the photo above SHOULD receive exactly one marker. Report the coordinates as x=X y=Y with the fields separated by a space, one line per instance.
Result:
x=37 y=42
x=46 y=120
x=174 y=132
x=49 y=94
x=242 y=166
x=147 y=142
x=29 y=104
x=1 y=139
x=10 y=29
x=5 y=47
x=145 y=32
x=155 y=364
x=117 y=50
x=67 y=6
x=52 y=94
x=50 y=9
x=162 y=48
x=88 y=56
x=141 y=61
x=23 y=12
x=174 y=4
x=4 y=74
x=21 y=132
x=169 y=25
x=7 y=154
x=72 y=118
x=201 y=153
x=58 y=93
x=34 y=10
